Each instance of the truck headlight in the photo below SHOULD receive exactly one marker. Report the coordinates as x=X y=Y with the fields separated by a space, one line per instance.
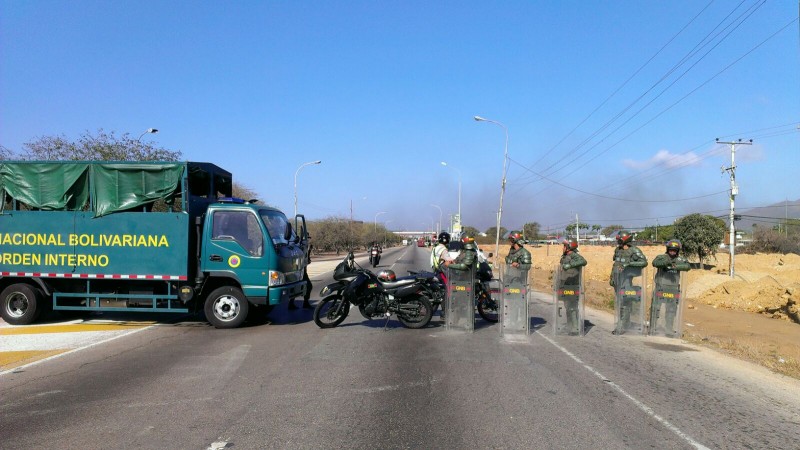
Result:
x=276 y=278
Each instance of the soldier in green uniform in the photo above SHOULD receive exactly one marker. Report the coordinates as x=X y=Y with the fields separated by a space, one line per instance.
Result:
x=518 y=256
x=668 y=276
x=571 y=263
x=626 y=255
x=468 y=257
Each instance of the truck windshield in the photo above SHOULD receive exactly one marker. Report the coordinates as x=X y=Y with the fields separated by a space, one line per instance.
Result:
x=278 y=227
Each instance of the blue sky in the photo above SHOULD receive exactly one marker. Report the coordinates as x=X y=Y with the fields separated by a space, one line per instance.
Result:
x=612 y=108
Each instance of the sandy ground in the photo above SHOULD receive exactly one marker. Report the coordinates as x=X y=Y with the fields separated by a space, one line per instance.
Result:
x=749 y=316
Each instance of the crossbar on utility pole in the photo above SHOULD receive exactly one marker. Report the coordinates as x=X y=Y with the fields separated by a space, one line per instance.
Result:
x=734 y=193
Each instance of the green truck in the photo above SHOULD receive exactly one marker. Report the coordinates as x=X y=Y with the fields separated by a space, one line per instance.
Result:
x=143 y=236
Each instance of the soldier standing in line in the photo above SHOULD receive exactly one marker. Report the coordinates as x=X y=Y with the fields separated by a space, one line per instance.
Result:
x=518 y=257
x=571 y=266
x=468 y=257
x=668 y=277
x=626 y=256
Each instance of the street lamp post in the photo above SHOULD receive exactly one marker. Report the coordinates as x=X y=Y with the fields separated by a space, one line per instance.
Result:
x=376 y=220
x=149 y=130
x=459 y=189
x=295 y=181
x=440 y=216
x=502 y=184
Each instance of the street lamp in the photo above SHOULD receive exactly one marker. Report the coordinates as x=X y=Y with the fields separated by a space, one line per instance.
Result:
x=459 y=190
x=502 y=184
x=149 y=130
x=376 y=220
x=295 y=181
x=440 y=216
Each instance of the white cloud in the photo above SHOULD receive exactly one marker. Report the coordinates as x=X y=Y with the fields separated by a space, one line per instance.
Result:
x=664 y=158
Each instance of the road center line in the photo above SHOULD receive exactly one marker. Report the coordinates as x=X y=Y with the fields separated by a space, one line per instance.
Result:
x=636 y=402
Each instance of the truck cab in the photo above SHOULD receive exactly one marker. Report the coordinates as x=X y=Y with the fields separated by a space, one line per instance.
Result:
x=257 y=249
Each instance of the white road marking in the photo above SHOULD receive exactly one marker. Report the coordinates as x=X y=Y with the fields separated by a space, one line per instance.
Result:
x=636 y=402
x=23 y=367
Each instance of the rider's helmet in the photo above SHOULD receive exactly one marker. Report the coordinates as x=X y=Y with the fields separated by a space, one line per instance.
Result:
x=514 y=236
x=387 y=275
x=674 y=244
x=570 y=244
x=444 y=238
x=624 y=237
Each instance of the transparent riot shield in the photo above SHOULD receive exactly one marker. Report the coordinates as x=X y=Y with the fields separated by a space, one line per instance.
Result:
x=568 y=300
x=630 y=292
x=460 y=300
x=666 y=306
x=514 y=316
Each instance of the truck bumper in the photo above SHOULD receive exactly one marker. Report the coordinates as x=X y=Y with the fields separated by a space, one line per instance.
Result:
x=279 y=294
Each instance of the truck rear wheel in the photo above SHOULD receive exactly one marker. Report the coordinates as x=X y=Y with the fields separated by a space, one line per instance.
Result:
x=226 y=307
x=21 y=304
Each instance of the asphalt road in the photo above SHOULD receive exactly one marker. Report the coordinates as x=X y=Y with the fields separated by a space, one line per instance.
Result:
x=284 y=383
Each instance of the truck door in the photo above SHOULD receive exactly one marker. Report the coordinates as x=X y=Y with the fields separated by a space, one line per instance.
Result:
x=236 y=246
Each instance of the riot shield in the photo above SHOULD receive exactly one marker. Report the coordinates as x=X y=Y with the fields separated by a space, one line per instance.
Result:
x=568 y=300
x=514 y=316
x=630 y=291
x=460 y=300
x=666 y=306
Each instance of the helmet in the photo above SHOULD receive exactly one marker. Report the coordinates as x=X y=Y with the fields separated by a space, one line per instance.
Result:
x=468 y=239
x=387 y=275
x=674 y=244
x=514 y=236
x=623 y=237
x=444 y=237
x=570 y=244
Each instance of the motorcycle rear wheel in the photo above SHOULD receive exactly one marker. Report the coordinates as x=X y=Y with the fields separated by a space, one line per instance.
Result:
x=415 y=311
x=488 y=309
x=330 y=311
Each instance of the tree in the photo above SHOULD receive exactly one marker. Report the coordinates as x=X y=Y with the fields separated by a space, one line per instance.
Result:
x=531 y=230
x=5 y=153
x=100 y=147
x=471 y=231
x=492 y=232
x=581 y=226
x=596 y=228
x=611 y=228
x=700 y=234
x=660 y=233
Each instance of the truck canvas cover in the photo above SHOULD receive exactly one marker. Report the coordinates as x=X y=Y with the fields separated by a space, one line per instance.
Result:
x=95 y=219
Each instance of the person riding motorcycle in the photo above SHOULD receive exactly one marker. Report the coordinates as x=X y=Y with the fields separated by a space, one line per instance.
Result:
x=518 y=256
x=440 y=257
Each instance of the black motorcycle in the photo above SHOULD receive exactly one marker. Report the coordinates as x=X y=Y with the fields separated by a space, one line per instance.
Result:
x=435 y=290
x=374 y=257
x=373 y=297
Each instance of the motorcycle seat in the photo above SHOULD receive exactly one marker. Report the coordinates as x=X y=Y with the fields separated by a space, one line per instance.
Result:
x=397 y=284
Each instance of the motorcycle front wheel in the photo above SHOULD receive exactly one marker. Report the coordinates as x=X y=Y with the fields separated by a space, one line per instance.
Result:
x=488 y=308
x=331 y=311
x=415 y=311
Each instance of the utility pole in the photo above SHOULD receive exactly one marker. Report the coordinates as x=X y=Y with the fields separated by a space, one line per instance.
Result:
x=734 y=192
x=577 y=229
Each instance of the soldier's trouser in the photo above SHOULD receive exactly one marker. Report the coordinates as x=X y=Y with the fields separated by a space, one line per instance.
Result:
x=571 y=307
x=670 y=310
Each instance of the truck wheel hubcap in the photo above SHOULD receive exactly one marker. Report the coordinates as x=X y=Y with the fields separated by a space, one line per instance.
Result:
x=226 y=307
x=16 y=305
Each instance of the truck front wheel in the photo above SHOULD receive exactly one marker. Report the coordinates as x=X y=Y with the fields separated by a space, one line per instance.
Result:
x=226 y=307
x=21 y=304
